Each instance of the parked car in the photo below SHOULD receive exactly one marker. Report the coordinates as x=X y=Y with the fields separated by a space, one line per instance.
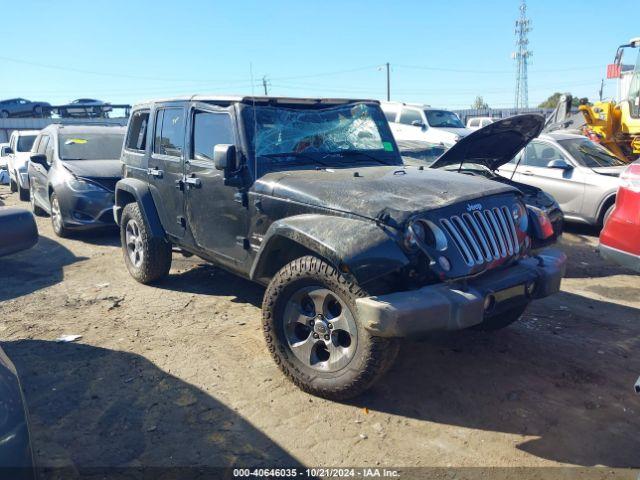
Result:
x=580 y=174
x=20 y=107
x=73 y=172
x=620 y=237
x=4 y=155
x=310 y=198
x=505 y=138
x=85 y=107
x=421 y=122
x=474 y=123
x=20 y=144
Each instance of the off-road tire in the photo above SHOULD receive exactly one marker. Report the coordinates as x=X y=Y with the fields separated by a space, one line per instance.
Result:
x=373 y=355
x=501 y=321
x=156 y=260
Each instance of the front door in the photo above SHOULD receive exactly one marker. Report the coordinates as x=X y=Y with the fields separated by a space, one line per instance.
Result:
x=166 y=168
x=217 y=218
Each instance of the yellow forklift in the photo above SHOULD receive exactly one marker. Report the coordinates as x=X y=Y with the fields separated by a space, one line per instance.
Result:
x=616 y=124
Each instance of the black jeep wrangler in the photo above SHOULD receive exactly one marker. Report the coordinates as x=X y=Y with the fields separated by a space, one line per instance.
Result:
x=310 y=198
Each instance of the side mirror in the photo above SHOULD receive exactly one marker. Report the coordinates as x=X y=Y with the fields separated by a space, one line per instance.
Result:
x=40 y=159
x=417 y=123
x=224 y=156
x=560 y=164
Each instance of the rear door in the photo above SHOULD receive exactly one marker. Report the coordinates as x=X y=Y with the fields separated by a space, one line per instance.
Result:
x=166 y=166
x=217 y=218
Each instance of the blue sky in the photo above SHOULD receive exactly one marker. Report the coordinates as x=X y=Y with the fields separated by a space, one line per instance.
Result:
x=443 y=53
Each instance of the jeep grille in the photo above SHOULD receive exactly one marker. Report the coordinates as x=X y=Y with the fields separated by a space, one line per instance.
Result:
x=483 y=236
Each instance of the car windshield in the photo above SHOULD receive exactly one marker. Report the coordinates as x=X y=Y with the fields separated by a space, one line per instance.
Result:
x=25 y=142
x=336 y=135
x=90 y=146
x=590 y=154
x=443 y=118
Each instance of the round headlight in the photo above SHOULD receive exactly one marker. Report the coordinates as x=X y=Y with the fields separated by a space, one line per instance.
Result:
x=414 y=234
x=519 y=214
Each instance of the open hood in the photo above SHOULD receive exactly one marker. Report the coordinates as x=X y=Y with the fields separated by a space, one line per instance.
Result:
x=495 y=144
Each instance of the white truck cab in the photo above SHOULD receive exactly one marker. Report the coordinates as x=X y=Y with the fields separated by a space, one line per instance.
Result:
x=422 y=122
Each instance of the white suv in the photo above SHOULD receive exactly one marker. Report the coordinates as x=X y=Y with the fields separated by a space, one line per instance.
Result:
x=421 y=122
x=20 y=145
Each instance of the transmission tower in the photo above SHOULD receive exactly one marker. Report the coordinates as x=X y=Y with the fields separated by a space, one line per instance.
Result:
x=521 y=56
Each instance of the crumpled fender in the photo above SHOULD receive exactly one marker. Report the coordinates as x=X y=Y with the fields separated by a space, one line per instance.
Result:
x=139 y=190
x=362 y=246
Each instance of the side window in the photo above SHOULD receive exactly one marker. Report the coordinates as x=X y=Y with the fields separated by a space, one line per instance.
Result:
x=137 y=134
x=169 y=132
x=539 y=154
x=391 y=114
x=474 y=122
x=210 y=129
x=49 y=151
x=408 y=116
x=42 y=146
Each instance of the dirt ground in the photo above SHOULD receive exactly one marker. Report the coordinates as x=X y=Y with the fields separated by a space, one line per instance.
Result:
x=178 y=374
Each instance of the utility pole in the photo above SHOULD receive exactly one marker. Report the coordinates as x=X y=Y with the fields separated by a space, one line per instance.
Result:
x=521 y=56
x=388 y=82
x=601 y=88
x=265 y=84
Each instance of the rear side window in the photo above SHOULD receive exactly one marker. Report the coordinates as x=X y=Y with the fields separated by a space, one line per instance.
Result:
x=409 y=116
x=210 y=129
x=474 y=123
x=390 y=113
x=169 y=132
x=137 y=134
x=25 y=142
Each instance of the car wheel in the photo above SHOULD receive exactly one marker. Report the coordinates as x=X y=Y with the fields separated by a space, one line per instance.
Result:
x=606 y=215
x=314 y=335
x=32 y=199
x=37 y=111
x=147 y=258
x=56 y=217
x=23 y=193
x=501 y=321
x=4 y=114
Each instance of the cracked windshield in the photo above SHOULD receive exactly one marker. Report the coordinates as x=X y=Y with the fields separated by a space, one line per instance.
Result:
x=332 y=136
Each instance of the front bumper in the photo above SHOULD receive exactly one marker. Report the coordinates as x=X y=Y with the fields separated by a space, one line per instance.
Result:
x=86 y=210
x=458 y=305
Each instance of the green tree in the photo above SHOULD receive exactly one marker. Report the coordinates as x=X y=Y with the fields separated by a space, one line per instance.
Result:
x=480 y=104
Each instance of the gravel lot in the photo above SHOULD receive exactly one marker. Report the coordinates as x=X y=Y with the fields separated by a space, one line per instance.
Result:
x=178 y=374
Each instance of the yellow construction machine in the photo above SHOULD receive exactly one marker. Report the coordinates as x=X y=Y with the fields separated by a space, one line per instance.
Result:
x=616 y=123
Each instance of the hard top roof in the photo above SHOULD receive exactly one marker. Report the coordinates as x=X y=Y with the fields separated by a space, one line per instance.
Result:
x=258 y=100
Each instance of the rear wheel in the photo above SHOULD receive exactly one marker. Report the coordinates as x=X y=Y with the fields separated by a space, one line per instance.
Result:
x=147 y=258
x=313 y=332
x=503 y=320
x=57 y=222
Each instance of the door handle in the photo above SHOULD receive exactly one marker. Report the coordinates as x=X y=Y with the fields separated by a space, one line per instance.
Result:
x=527 y=172
x=155 y=172
x=195 y=182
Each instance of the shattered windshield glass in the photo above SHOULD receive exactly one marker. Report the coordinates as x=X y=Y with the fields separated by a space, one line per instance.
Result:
x=590 y=154
x=310 y=135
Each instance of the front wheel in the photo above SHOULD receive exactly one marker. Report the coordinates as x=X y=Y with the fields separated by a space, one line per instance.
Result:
x=147 y=258
x=313 y=332
x=57 y=222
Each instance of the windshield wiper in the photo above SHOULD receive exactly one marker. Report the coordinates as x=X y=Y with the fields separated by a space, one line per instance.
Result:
x=353 y=153
x=296 y=154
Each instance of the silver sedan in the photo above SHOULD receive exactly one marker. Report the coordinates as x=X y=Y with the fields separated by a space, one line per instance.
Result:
x=580 y=174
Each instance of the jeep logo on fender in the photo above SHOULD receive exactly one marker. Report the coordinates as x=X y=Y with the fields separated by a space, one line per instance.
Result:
x=473 y=206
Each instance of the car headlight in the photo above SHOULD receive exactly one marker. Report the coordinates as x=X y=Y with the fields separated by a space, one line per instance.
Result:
x=426 y=233
x=79 y=185
x=520 y=217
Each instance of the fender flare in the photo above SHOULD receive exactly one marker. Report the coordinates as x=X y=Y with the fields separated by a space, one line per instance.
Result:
x=132 y=188
x=359 y=248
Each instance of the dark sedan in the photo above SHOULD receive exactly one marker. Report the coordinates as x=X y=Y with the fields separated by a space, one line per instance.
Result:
x=20 y=107
x=72 y=175
x=480 y=154
x=85 y=107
